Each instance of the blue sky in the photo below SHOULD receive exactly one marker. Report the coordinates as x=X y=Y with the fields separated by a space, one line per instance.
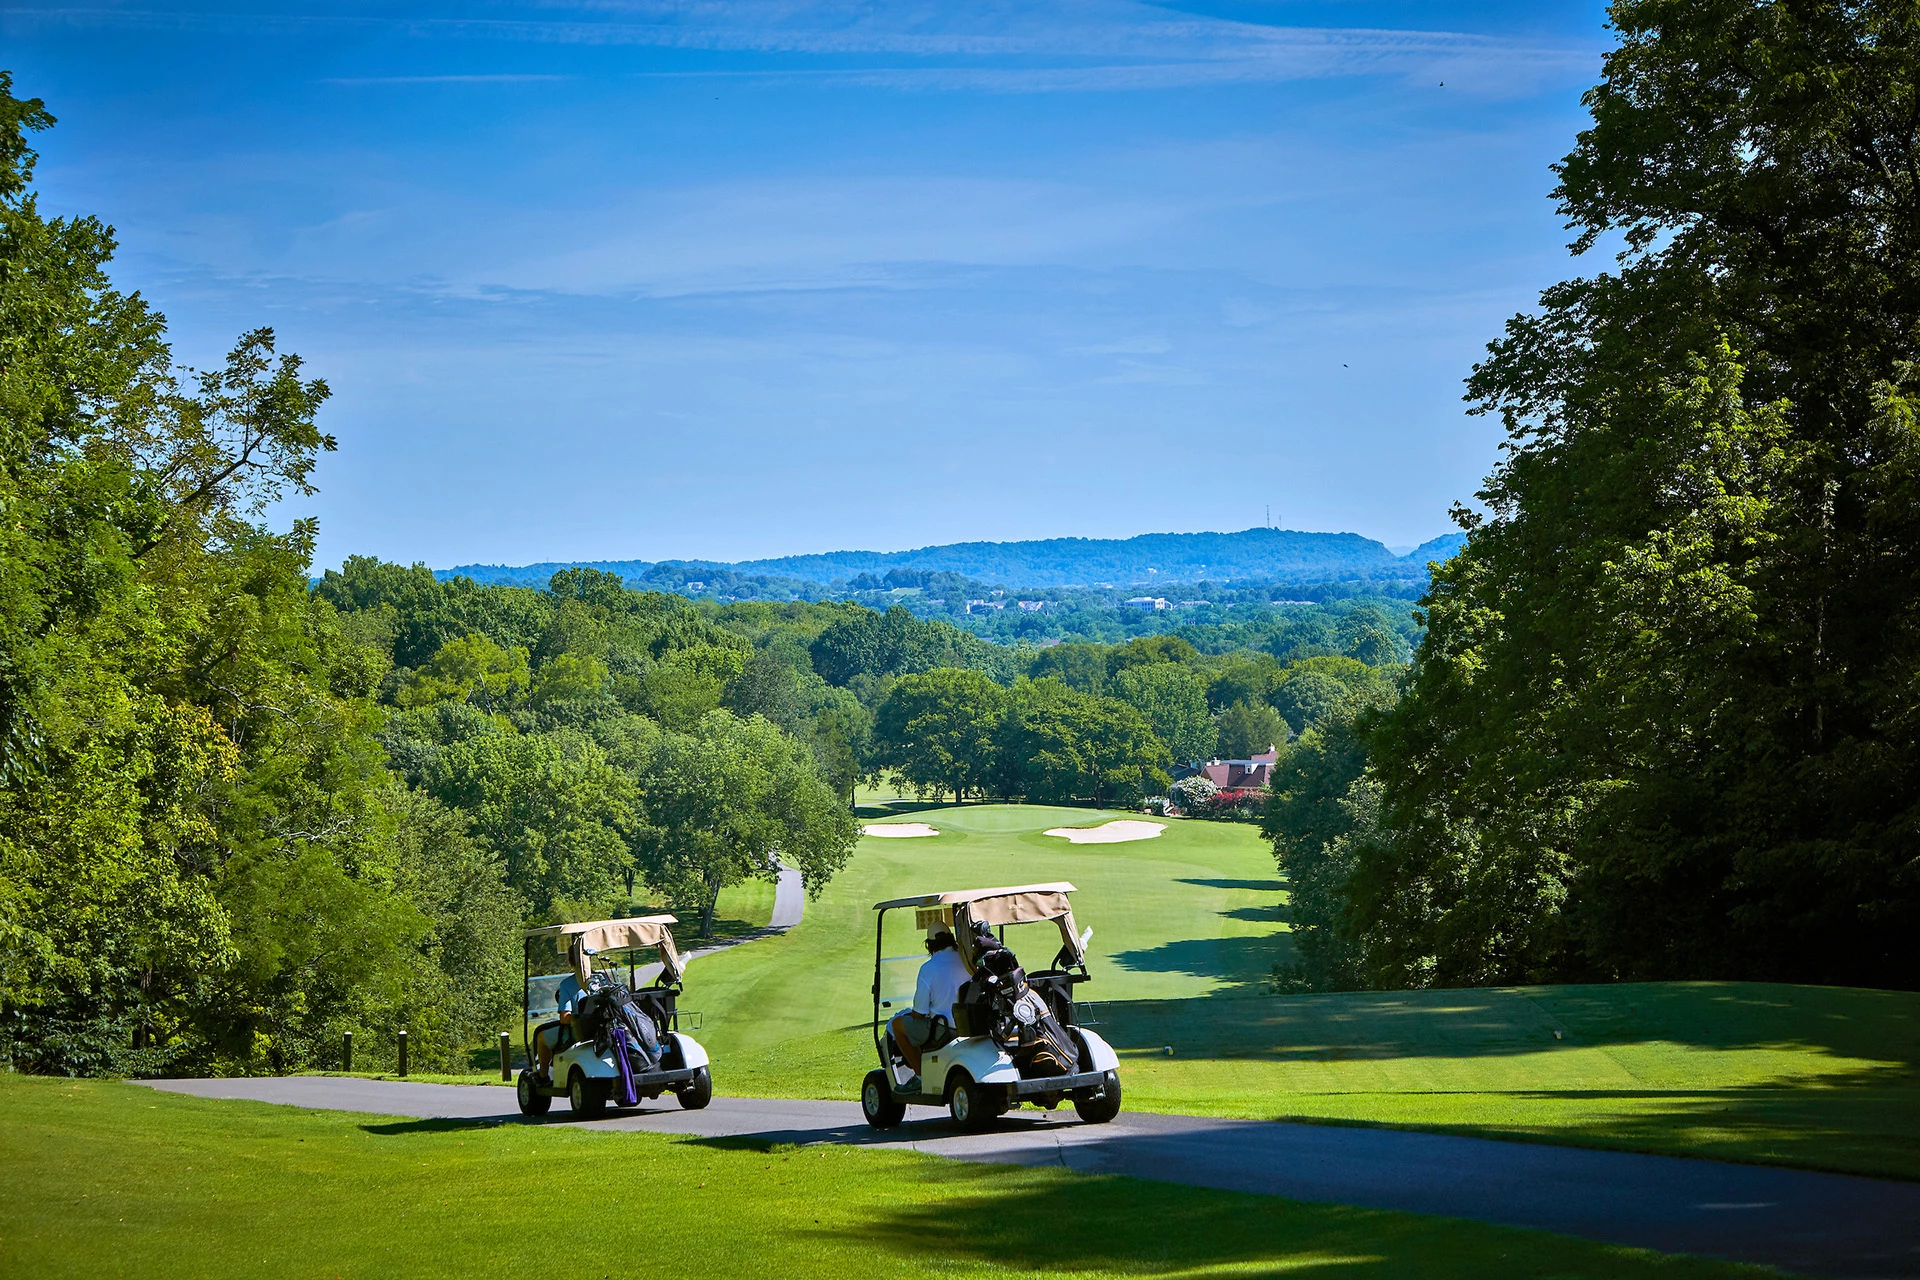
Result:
x=720 y=280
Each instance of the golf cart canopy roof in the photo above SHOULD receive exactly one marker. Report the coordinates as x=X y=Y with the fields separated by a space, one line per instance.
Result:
x=597 y=936
x=1020 y=904
x=1024 y=903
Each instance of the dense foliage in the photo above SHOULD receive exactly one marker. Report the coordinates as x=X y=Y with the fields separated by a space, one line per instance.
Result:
x=240 y=816
x=1661 y=724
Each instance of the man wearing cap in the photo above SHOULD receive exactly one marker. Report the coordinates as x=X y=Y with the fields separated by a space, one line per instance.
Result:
x=929 y=1024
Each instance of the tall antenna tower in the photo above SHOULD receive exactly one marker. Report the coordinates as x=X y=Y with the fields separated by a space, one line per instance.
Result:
x=1269 y=515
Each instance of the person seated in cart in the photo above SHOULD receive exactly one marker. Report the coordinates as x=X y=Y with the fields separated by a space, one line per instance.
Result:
x=566 y=998
x=929 y=1024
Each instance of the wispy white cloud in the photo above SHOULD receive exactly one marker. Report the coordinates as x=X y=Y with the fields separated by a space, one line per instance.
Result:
x=1093 y=45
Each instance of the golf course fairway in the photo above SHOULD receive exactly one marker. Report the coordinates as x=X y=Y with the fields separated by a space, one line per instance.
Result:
x=129 y=1182
x=1187 y=927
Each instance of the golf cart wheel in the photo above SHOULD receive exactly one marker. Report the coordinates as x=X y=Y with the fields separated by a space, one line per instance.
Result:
x=586 y=1100
x=1104 y=1105
x=697 y=1092
x=532 y=1101
x=882 y=1110
x=971 y=1105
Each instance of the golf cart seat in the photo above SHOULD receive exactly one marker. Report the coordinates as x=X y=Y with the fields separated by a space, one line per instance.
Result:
x=1056 y=987
x=658 y=1003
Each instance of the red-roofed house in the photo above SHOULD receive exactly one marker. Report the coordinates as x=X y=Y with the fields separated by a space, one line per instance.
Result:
x=1232 y=775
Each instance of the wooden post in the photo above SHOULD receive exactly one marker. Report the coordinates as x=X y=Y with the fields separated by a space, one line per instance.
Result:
x=346 y=1051
x=403 y=1054
x=506 y=1056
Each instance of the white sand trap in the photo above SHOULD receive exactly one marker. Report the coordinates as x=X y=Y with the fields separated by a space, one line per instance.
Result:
x=899 y=830
x=1110 y=833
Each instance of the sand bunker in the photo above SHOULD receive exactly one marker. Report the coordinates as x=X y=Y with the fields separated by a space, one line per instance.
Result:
x=1110 y=833
x=900 y=830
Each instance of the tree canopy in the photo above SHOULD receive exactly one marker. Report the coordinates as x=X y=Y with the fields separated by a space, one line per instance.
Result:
x=1658 y=726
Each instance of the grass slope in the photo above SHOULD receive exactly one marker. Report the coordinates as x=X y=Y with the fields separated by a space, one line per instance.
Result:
x=1186 y=929
x=128 y=1182
x=1189 y=913
x=1821 y=1077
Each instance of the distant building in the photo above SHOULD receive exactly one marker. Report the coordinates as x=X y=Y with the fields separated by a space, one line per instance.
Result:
x=1146 y=602
x=696 y=586
x=1233 y=775
x=981 y=606
x=1031 y=606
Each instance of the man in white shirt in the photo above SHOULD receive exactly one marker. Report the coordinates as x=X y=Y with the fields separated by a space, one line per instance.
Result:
x=929 y=1024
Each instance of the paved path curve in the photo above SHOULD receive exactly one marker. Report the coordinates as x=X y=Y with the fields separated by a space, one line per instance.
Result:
x=789 y=904
x=1817 y=1223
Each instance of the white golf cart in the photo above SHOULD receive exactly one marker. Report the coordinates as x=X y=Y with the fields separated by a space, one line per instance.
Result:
x=1014 y=1034
x=624 y=1044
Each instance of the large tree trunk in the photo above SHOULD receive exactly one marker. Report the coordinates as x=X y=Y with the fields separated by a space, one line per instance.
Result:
x=706 y=913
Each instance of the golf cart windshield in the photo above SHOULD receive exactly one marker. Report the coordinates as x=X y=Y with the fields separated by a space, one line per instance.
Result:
x=961 y=909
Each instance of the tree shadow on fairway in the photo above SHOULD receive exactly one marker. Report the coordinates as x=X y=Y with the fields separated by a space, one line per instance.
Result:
x=442 y=1124
x=974 y=1218
x=1244 y=964
x=1861 y=1122
x=1256 y=886
x=1881 y=1026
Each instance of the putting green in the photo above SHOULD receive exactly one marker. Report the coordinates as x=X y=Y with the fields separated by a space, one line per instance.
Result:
x=116 y=1180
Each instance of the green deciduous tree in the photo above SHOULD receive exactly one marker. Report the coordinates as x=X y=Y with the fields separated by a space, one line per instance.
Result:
x=937 y=730
x=472 y=668
x=1059 y=744
x=550 y=808
x=1248 y=728
x=1173 y=698
x=1658 y=727
x=1307 y=698
x=736 y=799
x=190 y=789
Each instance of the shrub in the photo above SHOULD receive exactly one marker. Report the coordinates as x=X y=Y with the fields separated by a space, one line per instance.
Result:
x=1241 y=804
x=1190 y=793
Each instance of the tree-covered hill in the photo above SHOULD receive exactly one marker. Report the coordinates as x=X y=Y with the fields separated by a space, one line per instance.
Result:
x=1268 y=555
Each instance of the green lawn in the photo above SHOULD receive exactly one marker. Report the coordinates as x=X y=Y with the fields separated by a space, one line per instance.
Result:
x=1823 y=1077
x=1185 y=930
x=112 y=1180
x=1190 y=913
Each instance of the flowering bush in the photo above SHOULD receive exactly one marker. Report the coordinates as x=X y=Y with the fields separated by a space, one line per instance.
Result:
x=1190 y=794
x=1242 y=804
x=1158 y=806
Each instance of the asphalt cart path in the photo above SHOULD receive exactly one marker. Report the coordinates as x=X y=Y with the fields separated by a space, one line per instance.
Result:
x=1816 y=1223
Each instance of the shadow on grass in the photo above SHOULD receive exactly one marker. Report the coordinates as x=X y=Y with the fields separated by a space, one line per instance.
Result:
x=1881 y=1026
x=989 y=1219
x=1246 y=963
x=1257 y=886
x=441 y=1124
x=1864 y=1122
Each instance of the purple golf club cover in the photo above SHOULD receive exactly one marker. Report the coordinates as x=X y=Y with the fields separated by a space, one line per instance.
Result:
x=628 y=1094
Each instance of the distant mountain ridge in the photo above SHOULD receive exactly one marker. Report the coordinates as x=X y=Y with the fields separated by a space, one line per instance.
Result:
x=1273 y=555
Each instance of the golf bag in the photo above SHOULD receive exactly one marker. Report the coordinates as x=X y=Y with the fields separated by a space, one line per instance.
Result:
x=610 y=1008
x=1022 y=1022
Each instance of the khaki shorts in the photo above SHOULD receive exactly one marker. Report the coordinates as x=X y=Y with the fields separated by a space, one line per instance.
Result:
x=922 y=1030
